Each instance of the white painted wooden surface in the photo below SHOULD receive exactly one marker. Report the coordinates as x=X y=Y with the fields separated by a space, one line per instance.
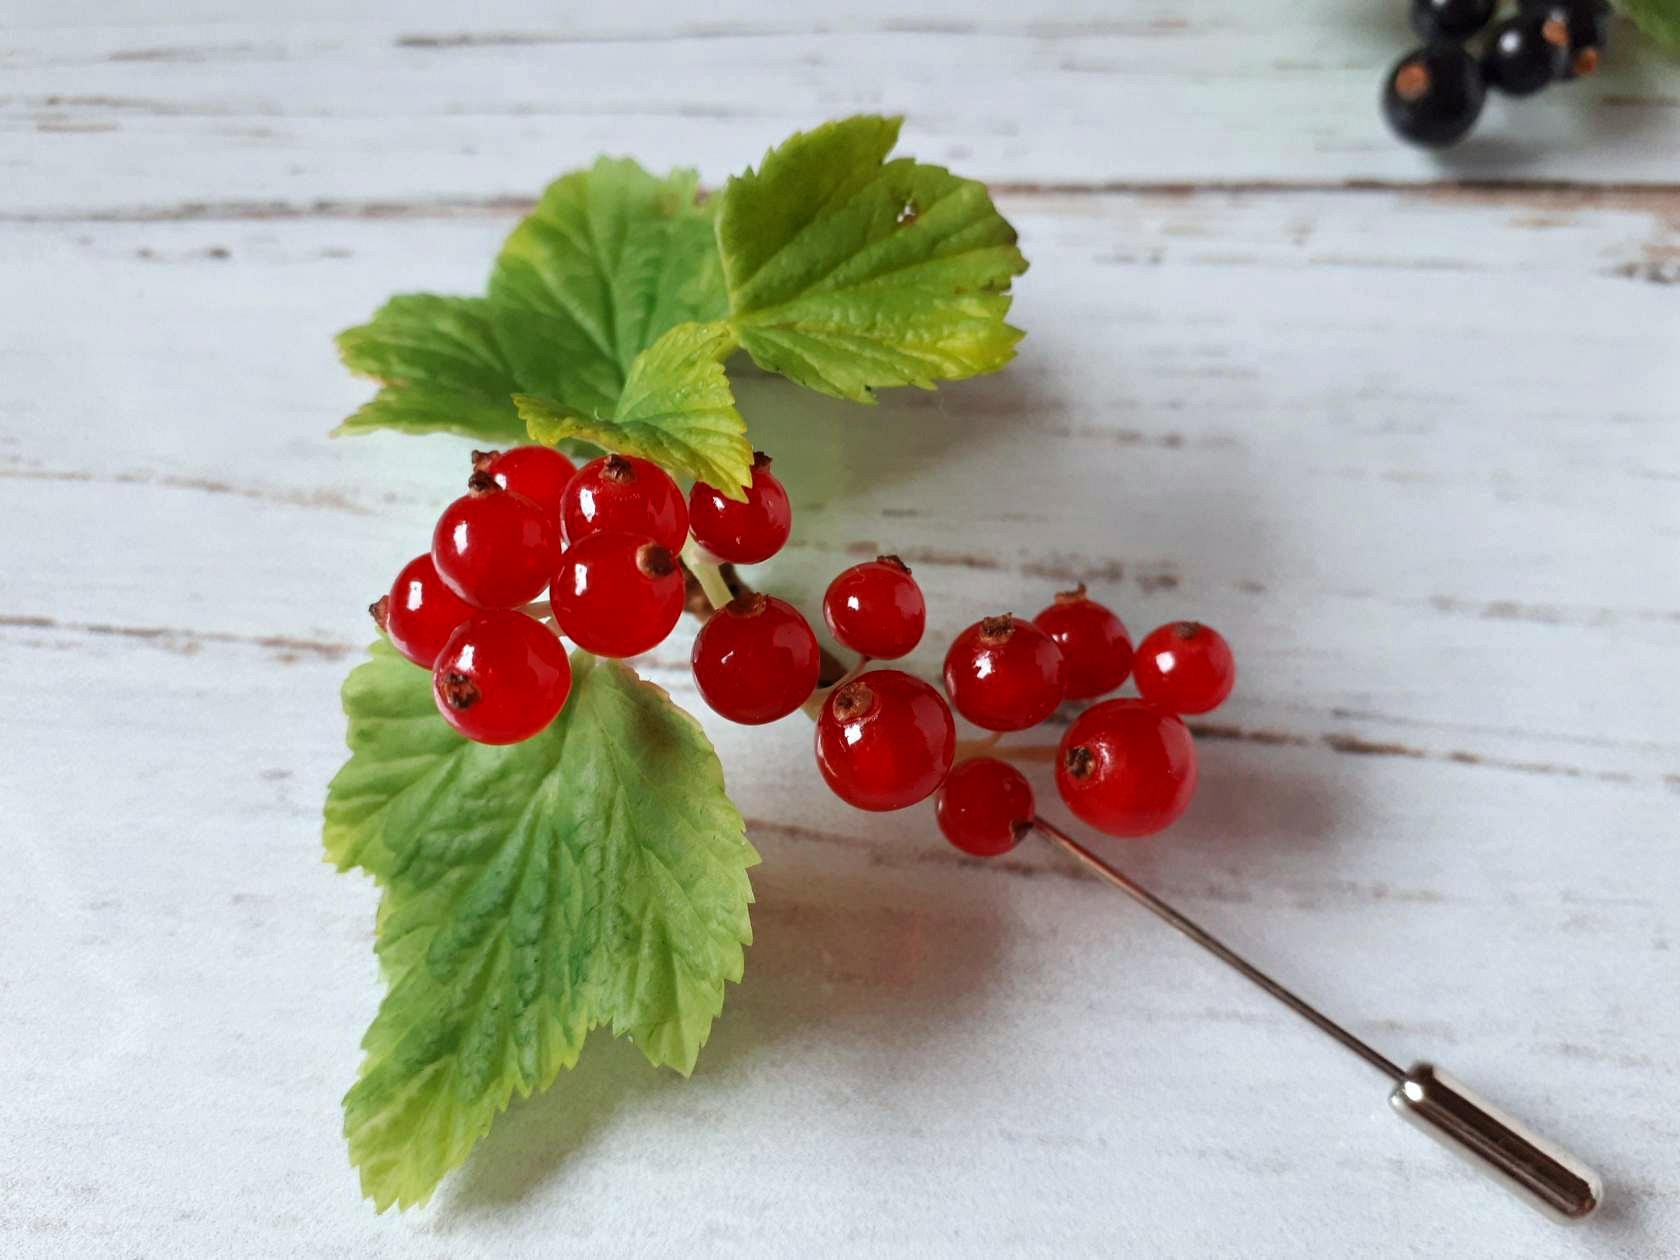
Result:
x=1412 y=445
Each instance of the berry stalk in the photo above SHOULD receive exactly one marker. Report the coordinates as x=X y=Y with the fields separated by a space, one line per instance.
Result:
x=885 y=739
x=812 y=708
x=708 y=573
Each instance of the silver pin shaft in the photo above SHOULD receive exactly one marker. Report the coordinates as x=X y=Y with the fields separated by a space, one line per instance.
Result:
x=1543 y=1175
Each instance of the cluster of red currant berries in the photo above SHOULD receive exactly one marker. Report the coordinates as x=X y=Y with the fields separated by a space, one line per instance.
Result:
x=886 y=739
x=604 y=539
x=1434 y=94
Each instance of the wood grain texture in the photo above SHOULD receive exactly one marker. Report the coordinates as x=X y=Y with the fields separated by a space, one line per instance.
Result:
x=227 y=110
x=1413 y=448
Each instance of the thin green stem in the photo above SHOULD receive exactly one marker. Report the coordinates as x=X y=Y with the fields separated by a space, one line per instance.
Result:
x=708 y=573
x=1031 y=753
x=812 y=708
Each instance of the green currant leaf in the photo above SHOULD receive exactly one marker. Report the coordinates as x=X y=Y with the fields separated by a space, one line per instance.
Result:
x=676 y=409
x=849 y=273
x=1659 y=19
x=611 y=259
x=440 y=367
x=595 y=874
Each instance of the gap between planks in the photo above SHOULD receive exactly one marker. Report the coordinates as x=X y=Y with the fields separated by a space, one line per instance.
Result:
x=290 y=650
x=1657 y=198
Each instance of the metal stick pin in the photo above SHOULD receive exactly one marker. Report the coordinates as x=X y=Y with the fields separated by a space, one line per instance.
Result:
x=1543 y=1175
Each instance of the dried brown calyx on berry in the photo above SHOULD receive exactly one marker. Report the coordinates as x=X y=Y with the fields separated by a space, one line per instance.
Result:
x=655 y=561
x=1080 y=761
x=853 y=700
x=747 y=604
x=459 y=691
x=1412 y=81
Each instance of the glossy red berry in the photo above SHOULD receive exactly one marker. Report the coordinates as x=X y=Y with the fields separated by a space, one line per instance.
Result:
x=985 y=806
x=493 y=547
x=742 y=533
x=616 y=594
x=1096 y=650
x=876 y=608
x=1127 y=768
x=756 y=660
x=624 y=494
x=1185 y=667
x=1003 y=674
x=885 y=740
x=540 y=473
x=502 y=677
x=421 y=612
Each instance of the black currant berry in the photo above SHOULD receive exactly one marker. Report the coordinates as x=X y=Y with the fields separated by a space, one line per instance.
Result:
x=1526 y=53
x=1588 y=25
x=1434 y=95
x=1451 y=19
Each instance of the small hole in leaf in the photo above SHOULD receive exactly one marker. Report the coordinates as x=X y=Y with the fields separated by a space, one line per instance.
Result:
x=907 y=214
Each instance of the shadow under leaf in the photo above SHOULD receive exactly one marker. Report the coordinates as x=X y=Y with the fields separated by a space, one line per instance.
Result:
x=847 y=960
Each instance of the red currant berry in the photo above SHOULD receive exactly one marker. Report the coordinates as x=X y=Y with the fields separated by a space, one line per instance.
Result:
x=540 y=473
x=495 y=548
x=502 y=677
x=756 y=660
x=1003 y=674
x=421 y=612
x=876 y=608
x=985 y=806
x=1096 y=650
x=627 y=495
x=616 y=594
x=742 y=533
x=1127 y=767
x=885 y=740
x=1185 y=667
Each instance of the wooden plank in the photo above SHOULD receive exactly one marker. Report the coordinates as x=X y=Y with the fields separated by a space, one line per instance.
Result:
x=1333 y=423
x=1105 y=1087
x=413 y=107
x=1412 y=448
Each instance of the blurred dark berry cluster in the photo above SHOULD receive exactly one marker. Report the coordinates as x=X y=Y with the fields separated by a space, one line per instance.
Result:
x=1435 y=93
